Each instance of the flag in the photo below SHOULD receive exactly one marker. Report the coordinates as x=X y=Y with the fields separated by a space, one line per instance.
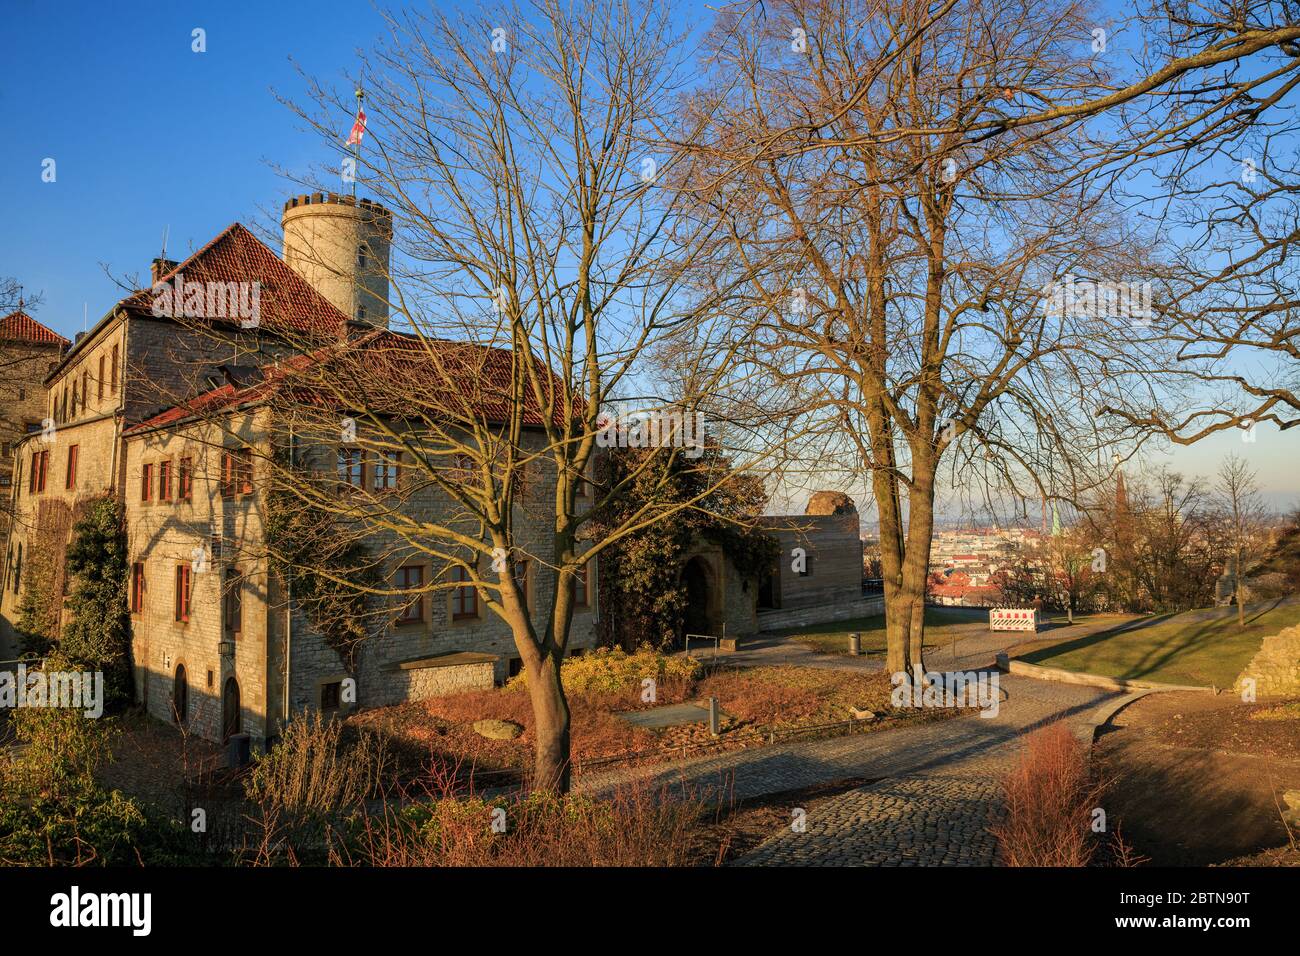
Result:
x=358 y=128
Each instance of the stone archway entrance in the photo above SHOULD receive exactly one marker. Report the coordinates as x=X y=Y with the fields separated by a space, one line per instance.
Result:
x=700 y=616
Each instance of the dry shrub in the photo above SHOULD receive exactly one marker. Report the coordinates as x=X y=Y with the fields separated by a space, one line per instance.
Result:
x=632 y=827
x=606 y=669
x=314 y=772
x=1050 y=795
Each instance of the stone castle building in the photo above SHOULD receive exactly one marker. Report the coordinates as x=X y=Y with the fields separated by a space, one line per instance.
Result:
x=173 y=404
x=29 y=352
x=220 y=642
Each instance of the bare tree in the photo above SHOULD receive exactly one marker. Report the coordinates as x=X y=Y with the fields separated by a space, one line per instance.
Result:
x=905 y=260
x=1238 y=494
x=543 y=252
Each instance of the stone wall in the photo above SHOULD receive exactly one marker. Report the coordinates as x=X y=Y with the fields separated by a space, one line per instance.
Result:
x=278 y=642
x=162 y=536
x=1276 y=666
x=833 y=559
x=23 y=398
x=822 y=614
x=440 y=676
x=97 y=449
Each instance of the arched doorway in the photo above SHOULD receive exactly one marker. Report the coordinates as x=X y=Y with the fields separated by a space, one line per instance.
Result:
x=229 y=709
x=180 y=696
x=697 y=577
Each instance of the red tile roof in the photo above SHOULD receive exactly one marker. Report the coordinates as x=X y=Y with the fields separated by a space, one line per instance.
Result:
x=287 y=302
x=399 y=375
x=21 y=327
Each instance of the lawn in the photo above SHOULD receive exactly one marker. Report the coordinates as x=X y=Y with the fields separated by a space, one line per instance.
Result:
x=1202 y=648
x=942 y=625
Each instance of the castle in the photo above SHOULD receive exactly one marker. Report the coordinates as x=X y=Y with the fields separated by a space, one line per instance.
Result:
x=166 y=405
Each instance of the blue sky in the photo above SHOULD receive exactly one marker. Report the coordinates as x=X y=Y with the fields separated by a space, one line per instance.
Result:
x=148 y=135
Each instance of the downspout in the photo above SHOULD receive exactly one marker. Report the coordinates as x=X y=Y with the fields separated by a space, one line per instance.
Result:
x=288 y=616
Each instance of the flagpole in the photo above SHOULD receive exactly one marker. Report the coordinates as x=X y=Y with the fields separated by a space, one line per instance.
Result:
x=356 y=149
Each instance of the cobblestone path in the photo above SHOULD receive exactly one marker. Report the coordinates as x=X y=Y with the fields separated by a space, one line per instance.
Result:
x=927 y=820
x=936 y=789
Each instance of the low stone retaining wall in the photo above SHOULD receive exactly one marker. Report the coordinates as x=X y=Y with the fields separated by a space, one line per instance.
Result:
x=1275 y=668
x=820 y=614
x=442 y=675
x=1039 y=672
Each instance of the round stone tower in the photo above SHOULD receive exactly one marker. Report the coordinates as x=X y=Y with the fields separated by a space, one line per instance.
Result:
x=831 y=503
x=341 y=246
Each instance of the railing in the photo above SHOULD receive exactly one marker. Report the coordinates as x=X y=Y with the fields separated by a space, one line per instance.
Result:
x=706 y=637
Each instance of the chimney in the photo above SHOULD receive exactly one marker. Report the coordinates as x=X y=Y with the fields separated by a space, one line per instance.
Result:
x=160 y=267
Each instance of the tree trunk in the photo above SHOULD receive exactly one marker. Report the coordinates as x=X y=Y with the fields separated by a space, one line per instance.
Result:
x=916 y=565
x=551 y=767
x=898 y=617
x=1236 y=583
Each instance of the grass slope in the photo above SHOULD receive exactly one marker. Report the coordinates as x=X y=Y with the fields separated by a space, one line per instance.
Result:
x=1203 y=648
x=941 y=626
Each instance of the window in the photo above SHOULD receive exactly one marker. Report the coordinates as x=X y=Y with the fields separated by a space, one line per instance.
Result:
x=361 y=313
x=137 y=587
x=244 y=471
x=581 y=597
x=351 y=468
x=361 y=256
x=185 y=480
x=74 y=398
x=233 y=601
x=386 y=464
x=71 y=481
x=18 y=568
x=464 y=599
x=99 y=382
x=36 y=480
x=183 y=593
x=85 y=378
x=411 y=578
x=146 y=483
x=164 y=481
x=4 y=448
x=331 y=695
x=112 y=374
x=236 y=472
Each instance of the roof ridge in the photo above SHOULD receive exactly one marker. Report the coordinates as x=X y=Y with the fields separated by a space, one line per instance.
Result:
x=40 y=333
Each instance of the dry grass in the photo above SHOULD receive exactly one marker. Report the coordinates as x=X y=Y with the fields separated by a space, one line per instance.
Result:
x=633 y=827
x=430 y=735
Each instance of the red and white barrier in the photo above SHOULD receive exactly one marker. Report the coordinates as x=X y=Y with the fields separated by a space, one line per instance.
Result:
x=1013 y=619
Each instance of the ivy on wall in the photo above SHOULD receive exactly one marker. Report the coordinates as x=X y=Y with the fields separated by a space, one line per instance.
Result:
x=41 y=597
x=640 y=575
x=328 y=565
x=98 y=632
